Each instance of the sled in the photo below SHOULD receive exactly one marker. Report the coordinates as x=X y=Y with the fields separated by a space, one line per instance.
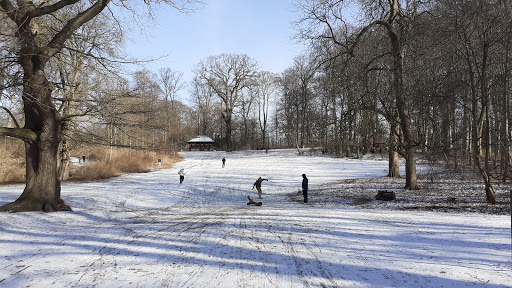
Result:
x=253 y=202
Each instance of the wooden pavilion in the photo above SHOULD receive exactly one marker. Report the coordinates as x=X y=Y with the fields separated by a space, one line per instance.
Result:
x=200 y=143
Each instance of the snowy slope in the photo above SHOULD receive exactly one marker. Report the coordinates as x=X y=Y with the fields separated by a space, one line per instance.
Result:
x=147 y=230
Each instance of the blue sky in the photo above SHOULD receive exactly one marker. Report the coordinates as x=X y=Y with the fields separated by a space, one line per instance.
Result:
x=262 y=29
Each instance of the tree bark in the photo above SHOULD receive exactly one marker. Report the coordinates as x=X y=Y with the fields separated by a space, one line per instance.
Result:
x=394 y=168
x=227 y=119
x=63 y=164
x=42 y=190
x=403 y=113
x=505 y=115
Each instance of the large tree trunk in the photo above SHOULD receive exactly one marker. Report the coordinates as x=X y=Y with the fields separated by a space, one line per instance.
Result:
x=411 y=181
x=42 y=190
x=227 y=119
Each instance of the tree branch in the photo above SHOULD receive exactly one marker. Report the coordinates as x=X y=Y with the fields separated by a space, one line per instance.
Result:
x=24 y=134
x=72 y=25
x=9 y=9
x=11 y=115
x=48 y=9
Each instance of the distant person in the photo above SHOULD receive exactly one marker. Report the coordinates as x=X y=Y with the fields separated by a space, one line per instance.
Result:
x=257 y=184
x=83 y=159
x=223 y=162
x=305 y=187
x=79 y=159
x=182 y=175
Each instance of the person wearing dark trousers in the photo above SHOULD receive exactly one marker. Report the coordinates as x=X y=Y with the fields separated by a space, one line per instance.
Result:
x=305 y=187
x=182 y=175
x=257 y=184
x=223 y=162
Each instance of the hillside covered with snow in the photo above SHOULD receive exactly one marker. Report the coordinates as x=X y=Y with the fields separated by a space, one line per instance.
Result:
x=147 y=230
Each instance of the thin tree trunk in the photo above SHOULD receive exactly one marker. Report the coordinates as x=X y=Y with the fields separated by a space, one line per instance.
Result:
x=394 y=168
x=405 y=121
x=505 y=149
x=63 y=167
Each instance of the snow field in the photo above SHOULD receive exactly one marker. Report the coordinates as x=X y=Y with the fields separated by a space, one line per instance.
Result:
x=147 y=230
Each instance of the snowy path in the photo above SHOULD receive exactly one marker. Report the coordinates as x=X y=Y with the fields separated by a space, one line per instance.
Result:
x=147 y=230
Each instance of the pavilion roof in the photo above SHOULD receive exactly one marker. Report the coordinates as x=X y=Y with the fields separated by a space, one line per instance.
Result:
x=201 y=139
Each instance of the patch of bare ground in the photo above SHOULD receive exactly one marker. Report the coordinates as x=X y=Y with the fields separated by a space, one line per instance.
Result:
x=442 y=191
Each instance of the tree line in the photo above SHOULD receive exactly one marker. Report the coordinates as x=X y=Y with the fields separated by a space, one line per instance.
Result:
x=405 y=77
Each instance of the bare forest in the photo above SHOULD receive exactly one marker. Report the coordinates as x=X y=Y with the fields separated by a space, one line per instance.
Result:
x=409 y=80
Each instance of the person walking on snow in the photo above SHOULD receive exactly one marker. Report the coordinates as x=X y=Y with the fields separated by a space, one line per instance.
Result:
x=305 y=187
x=223 y=161
x=257 y=184
x=182 y=175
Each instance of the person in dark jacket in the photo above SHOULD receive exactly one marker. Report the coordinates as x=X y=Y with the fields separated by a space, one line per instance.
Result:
x=257 y=184
x=223 y=161
x=305 y=187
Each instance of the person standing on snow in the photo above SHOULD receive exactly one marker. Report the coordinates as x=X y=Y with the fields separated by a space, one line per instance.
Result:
x=305 y=187
x=223 y=161
x=182 y=175
x=257 y=184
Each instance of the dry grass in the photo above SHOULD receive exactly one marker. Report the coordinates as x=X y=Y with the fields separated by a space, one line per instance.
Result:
x=93 y=171
x=102 y=163
x=12 y=165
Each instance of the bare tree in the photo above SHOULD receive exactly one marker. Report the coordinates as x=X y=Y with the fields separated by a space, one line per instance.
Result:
x=78 y=73
x=227 y=75
x=326 y=20
x=205 y=106
x=170 y=83
x=298 y=81
x=42 y=127
x=289 y=106
x=266 y=87
x=245 y=104
x=477 y=30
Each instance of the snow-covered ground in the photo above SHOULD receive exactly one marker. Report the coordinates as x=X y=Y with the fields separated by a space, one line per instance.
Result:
x=147 y=230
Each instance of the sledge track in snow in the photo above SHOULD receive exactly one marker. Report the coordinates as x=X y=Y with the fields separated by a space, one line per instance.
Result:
x=159 y=233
